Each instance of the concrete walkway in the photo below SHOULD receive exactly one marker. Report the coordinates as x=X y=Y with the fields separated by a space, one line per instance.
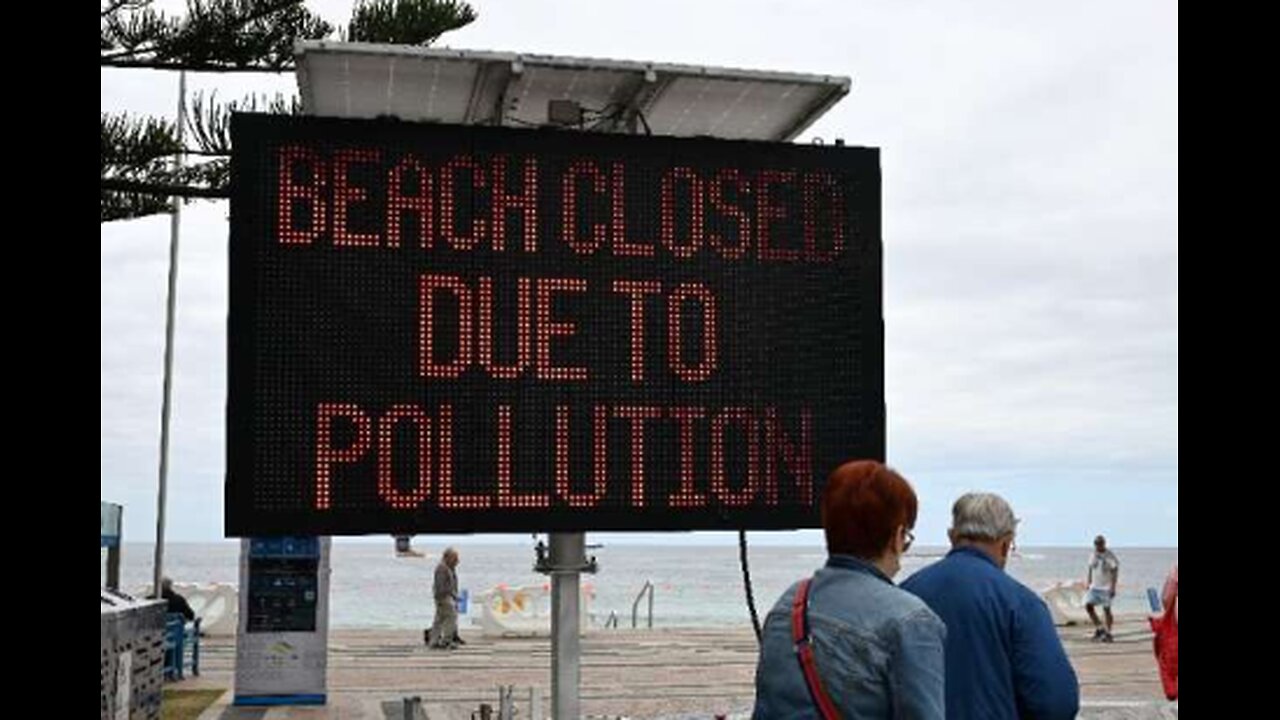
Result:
x=669 y=674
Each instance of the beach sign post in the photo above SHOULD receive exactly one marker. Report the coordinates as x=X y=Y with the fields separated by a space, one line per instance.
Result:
x=649 y=313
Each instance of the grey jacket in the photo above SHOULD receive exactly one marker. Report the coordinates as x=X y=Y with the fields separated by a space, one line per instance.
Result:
x=445 y=584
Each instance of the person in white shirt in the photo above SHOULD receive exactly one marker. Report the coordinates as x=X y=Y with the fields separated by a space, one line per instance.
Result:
x=1104 y=571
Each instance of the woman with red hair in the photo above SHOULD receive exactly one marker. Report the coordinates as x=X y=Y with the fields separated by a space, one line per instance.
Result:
x=848 y=643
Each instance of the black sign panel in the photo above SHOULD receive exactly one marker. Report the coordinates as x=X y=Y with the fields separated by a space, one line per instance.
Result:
x=438 y=328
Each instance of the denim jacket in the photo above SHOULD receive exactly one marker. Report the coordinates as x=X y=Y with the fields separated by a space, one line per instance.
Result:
x=879 y=649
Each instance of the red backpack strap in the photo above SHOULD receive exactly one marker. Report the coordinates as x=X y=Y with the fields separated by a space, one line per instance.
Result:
x=804 y=652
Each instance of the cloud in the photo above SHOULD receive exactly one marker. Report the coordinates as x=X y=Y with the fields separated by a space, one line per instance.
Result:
x=1030 y=164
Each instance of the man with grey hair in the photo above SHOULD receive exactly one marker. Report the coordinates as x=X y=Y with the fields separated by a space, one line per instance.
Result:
x=1003 y=656
x=443 y=634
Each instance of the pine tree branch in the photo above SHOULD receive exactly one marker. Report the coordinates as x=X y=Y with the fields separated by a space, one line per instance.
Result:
x=127 y=206
x=163 y=189
x=197 y=67
x=216 y=35
x=210 y=122
x=222 y=36
x=138 y=31
x=136 y=145
x=406 y=22
x=115 y=6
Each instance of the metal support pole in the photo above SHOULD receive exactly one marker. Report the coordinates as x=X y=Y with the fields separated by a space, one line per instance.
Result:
x=568 y=559
x=168 y=346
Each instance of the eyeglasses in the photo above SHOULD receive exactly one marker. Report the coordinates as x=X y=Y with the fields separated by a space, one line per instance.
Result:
x=908 y=538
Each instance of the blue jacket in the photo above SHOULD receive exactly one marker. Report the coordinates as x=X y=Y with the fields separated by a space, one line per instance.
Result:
x=1004 y=658
x=878 y=649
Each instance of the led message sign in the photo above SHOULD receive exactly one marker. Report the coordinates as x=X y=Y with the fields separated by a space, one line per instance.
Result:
x=440 y=328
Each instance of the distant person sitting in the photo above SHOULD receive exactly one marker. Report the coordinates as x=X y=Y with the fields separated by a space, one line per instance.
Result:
x=1003 y=656
x=177 y=603
x=1104 y=572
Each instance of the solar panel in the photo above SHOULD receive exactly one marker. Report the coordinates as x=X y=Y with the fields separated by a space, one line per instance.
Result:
x=511 y=89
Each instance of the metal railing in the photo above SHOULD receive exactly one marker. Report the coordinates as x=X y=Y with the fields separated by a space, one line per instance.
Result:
x=635 y=606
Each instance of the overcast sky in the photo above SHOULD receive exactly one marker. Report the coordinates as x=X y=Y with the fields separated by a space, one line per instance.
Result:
x=1030 y=161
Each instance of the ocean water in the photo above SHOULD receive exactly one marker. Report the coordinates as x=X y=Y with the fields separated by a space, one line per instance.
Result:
x=694 y=585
